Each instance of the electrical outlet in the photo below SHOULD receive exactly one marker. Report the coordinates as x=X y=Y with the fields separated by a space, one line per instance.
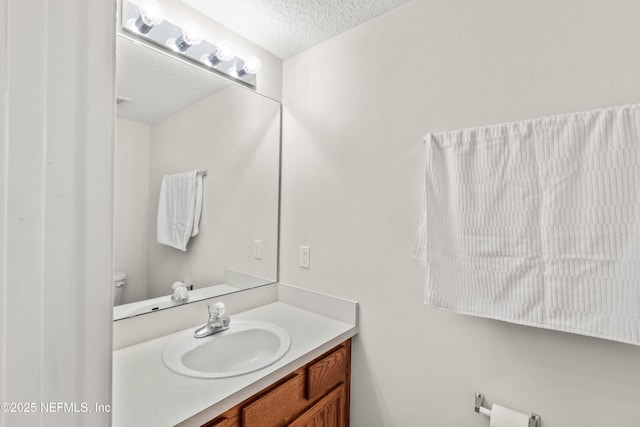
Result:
x=257 y=249
x=305 y=256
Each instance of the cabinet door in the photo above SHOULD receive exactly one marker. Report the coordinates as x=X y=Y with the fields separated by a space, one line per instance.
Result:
x=328 y=412
x=328 y=371
x=277 y=405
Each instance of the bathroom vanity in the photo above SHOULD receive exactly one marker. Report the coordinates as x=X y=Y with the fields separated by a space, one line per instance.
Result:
x=316 y=394
x=307 y=386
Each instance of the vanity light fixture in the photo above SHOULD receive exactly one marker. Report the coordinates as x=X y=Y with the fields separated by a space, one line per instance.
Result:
x=186 y=41
x=191 y=36
x=251 y=65
x=151 y=14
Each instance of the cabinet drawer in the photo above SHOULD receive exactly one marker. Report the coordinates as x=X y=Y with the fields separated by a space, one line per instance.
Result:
x=218 y=422
x=277 y=406
x=327 y=372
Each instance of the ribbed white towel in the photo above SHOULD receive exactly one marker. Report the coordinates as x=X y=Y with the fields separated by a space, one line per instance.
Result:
x=179 y=209
x=198 y=205
x=537 y=222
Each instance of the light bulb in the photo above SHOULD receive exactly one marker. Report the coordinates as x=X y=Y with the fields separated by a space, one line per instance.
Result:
x=251 y=65
x=191 y=33
x=191 y=36
x=151 y=14
x=224 y=52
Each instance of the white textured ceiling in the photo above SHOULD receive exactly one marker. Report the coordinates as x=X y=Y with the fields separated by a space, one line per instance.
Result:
x=157 y=85
x=287 y=27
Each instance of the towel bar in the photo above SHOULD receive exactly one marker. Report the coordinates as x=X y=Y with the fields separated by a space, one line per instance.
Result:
x=534 y=420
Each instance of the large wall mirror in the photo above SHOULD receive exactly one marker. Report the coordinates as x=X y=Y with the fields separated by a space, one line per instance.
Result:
x=174 y=117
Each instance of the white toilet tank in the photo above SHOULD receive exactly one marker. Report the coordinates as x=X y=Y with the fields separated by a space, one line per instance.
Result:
x=119 y=280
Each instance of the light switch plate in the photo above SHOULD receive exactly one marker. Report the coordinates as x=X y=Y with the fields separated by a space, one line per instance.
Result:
x=305 y=256
x=257 y=249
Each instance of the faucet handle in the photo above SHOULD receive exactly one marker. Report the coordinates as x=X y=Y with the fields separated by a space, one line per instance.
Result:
x=216 y=310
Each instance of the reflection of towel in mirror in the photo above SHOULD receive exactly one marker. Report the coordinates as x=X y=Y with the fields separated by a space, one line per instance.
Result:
x=179 y=209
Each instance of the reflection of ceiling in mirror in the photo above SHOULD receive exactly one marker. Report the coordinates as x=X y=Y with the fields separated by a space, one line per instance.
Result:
x=157 y=85
x=287 y=27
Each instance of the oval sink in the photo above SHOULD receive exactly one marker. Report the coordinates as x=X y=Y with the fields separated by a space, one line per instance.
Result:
x=245 y=347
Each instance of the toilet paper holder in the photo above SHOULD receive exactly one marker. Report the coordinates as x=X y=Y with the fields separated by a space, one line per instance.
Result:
x=534 y=420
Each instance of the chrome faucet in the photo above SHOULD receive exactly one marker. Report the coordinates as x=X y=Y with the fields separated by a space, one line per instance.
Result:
x=216 y=322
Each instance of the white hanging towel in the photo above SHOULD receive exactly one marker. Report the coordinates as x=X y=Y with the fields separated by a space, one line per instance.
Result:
x=537 y=222
x=179 y=209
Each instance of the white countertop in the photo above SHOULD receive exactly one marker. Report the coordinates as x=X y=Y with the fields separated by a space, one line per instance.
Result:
x=159 y=303
x=146 y=393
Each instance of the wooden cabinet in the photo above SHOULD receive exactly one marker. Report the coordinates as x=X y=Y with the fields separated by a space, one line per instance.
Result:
x=316 y=395
x=220 y=422
x=328 y=412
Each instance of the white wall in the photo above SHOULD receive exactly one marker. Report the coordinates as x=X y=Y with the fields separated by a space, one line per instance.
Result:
x=131 y=206
x=352 y=167
x=56 y=143
x=234 y=134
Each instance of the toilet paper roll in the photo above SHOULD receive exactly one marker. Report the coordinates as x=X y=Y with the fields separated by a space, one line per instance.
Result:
x=505 y=417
